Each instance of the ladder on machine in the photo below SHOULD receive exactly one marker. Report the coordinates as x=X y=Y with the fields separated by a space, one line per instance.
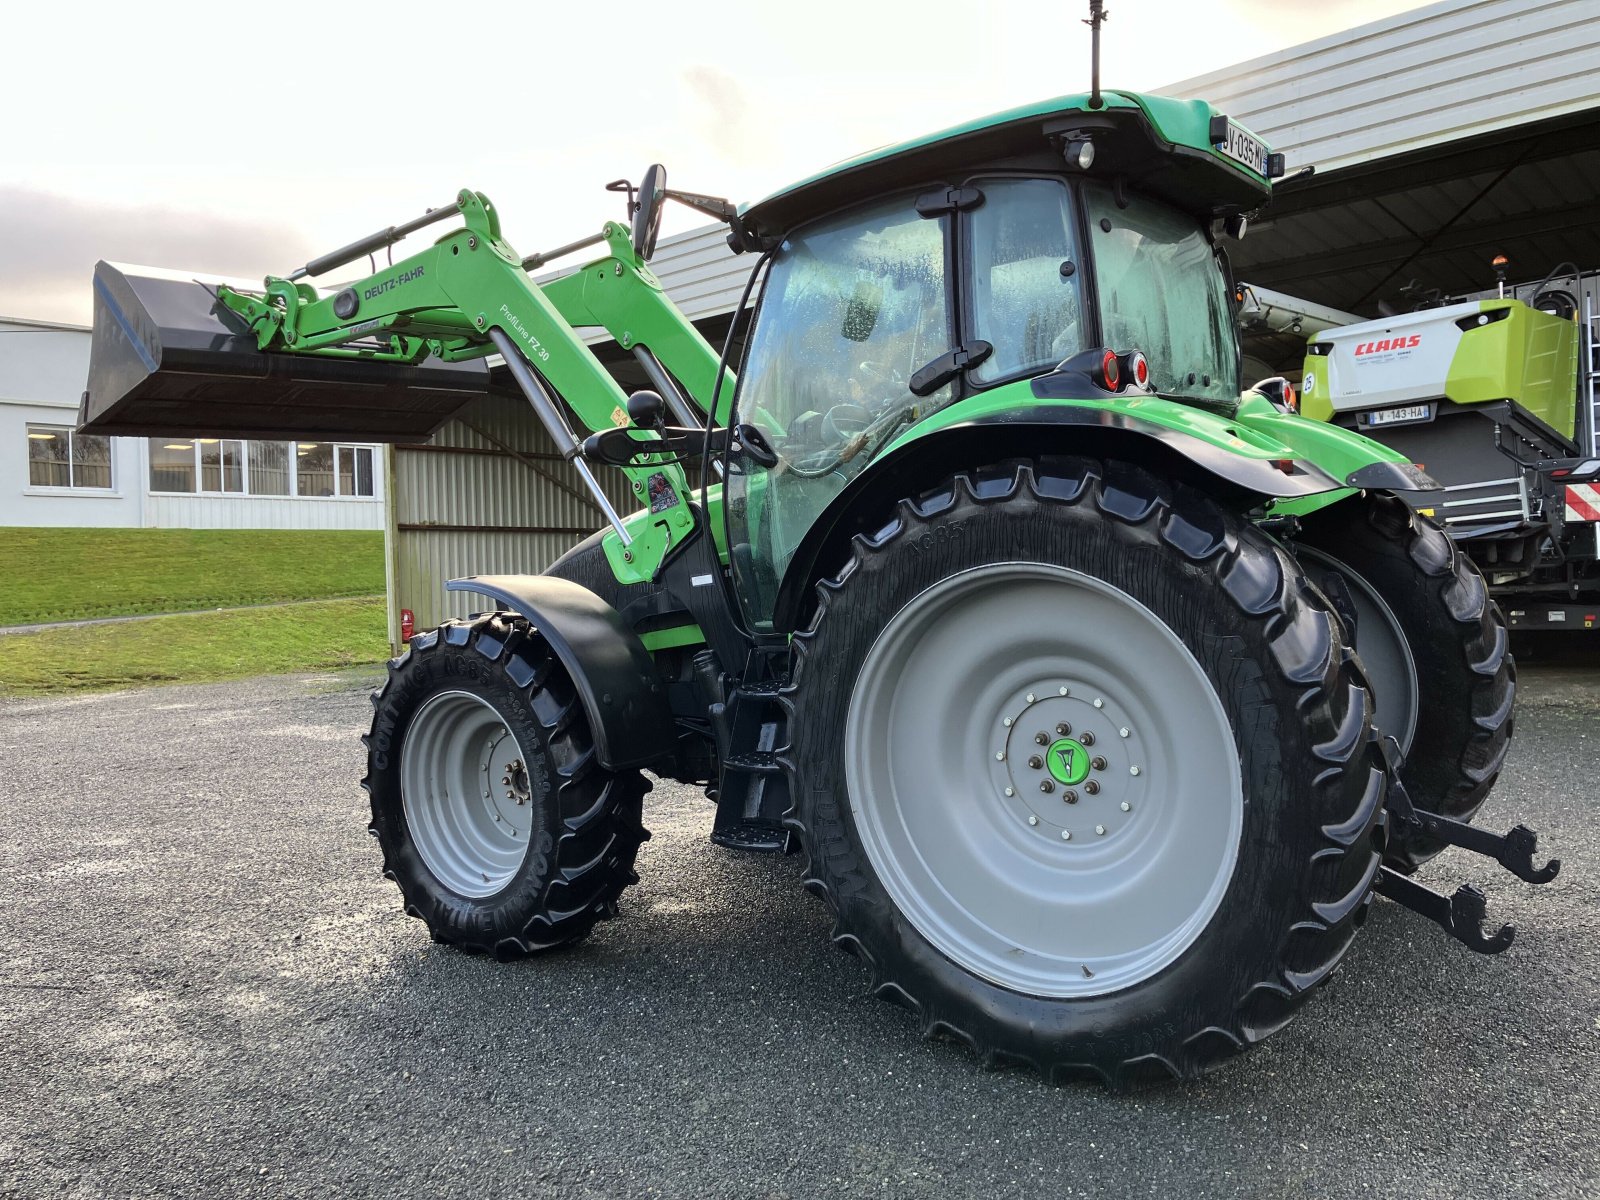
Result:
x=1588 y=370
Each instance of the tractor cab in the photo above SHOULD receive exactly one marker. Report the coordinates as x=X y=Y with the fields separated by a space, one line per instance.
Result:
x=1060 y=240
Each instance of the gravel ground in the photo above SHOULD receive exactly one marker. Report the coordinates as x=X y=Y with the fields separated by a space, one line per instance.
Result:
x=208 y=990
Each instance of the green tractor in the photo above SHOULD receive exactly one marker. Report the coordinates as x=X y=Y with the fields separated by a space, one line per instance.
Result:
x=968 y=569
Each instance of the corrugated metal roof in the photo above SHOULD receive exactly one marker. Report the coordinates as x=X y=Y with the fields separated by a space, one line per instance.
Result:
x=1448 y=71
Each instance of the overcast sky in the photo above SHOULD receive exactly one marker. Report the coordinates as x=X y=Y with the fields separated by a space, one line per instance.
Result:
x=241 y=139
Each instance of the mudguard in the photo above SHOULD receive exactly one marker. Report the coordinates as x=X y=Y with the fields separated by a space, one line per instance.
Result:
x=612 y=671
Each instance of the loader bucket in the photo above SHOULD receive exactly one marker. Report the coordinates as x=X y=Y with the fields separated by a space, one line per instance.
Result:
x=167 y=359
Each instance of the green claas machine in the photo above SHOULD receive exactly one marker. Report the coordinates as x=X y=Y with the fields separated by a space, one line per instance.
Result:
x=1496 y=394
x=967 y=569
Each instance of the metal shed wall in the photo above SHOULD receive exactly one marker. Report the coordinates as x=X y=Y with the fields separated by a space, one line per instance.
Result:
x=487 y=494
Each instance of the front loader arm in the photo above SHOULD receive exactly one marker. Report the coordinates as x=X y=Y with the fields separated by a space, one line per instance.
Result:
x=464 y=297
x=621 y=294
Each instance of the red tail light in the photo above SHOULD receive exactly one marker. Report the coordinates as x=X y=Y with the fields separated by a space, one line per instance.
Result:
x=408 y=624
x=1110 y=372
x=1139 y=368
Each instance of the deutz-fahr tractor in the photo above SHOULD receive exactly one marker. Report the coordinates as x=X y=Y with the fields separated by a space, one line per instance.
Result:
x=968 y=569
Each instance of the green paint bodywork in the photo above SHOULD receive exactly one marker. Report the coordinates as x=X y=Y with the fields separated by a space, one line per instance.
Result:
x=1528 y=356
x=668 y=639
x=1253 y=429
x=1185 y=123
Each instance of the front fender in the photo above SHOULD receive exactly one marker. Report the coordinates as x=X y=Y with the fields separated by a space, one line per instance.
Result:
x=610 y=668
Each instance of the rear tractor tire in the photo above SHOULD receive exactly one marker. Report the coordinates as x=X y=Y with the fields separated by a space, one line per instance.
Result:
x=1434 y=646
x=1084 y=771
x=502 y=831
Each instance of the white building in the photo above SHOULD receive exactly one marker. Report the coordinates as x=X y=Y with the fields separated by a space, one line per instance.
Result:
x=50 y=475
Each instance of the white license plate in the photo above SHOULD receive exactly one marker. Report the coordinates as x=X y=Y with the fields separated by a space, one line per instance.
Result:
x=1401 y=416
x=1242 y=147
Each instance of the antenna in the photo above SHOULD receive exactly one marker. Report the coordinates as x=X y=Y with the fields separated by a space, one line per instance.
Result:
x=1097 y=16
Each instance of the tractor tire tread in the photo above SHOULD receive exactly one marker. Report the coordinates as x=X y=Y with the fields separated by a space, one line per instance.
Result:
x=1265 y=583
x=600 y=812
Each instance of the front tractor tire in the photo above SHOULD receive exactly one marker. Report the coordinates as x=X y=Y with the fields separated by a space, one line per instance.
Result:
x=1084 y=771
x=1433 y=644
x=503 y=832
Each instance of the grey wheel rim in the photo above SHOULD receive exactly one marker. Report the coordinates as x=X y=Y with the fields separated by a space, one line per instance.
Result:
x=465 y=788
x=1384 y=650
x=959 y=779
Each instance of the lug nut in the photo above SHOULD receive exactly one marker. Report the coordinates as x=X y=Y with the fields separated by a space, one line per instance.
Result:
x=1070 y=796
x=1123 y=732
x=1098 y=763
x=1125 y=806
x=1063 y=691
x=1047 y=785
x=505 y=779
x=1035 y=761
x=999 y=756
x=1006 y=722
x=1033 y=820
x=1030 y=697
x=1042 y=738
x=1087 y=737
x=1011 y=791
x=1092 y=788
x=1133 y=770
x=1064 y=729
x=1066 y=835
x=1099 y=703
x=1100 y=829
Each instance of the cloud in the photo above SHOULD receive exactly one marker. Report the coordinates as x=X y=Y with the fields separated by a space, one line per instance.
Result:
x=726 y=120
x=51 y=243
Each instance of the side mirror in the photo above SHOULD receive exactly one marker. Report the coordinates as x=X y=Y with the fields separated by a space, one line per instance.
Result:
x=644 y=408
x=647 y=212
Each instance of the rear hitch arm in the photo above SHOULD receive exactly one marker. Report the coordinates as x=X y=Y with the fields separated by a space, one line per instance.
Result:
x=1461 y=915
x=1513 y=850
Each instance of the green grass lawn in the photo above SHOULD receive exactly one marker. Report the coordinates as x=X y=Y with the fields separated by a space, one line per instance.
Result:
x=67 y=574
x=194 y=649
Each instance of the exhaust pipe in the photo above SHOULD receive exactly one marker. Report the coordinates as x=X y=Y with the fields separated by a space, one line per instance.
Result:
x=166 y=358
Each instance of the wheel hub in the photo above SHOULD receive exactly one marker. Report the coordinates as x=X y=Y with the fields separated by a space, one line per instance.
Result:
x=467 y=793
x=1055 y=805
x=1067 y=764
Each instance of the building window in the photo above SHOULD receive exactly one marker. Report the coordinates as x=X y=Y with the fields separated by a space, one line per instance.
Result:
x=269 y=468
x=326 y=469
x=231 y=466
x=221 y=465
x=61 y=458
x=172 y=467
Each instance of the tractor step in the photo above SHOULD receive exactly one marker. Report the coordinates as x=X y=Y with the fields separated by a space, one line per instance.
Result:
x=758 y=838
x=752 y=729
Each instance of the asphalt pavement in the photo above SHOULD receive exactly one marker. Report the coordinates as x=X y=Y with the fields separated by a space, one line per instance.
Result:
x=207 y=990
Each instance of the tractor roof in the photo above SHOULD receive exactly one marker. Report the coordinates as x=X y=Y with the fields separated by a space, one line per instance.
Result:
x=1153 y=142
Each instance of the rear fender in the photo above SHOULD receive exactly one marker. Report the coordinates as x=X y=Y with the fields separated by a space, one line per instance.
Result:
x=1222 y=463
x=612 y=671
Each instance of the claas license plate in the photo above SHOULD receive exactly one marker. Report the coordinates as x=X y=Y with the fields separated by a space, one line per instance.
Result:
x=1403 y=415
